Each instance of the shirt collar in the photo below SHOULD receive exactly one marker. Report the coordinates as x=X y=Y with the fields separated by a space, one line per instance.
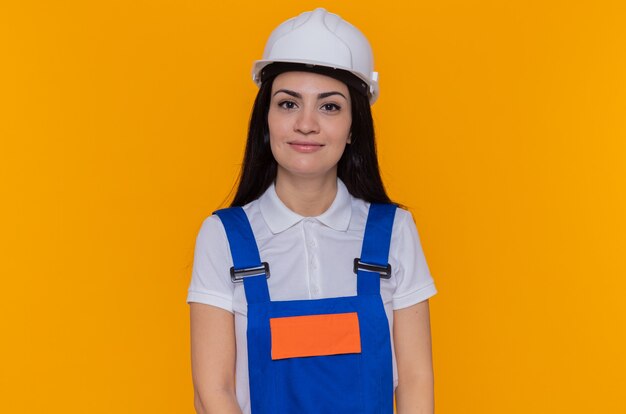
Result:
x=279 y=217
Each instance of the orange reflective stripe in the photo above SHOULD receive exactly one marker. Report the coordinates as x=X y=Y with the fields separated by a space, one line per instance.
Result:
x=315 y=335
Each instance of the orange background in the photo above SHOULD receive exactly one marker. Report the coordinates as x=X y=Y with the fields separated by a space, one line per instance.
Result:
x=502 y=125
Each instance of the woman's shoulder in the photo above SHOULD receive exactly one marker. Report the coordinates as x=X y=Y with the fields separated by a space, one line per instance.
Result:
x=360 y=211
x=211 y=231
x=212 y=228
x=403 y=217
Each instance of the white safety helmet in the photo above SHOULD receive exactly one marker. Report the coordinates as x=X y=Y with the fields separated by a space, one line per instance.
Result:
x=320 y=38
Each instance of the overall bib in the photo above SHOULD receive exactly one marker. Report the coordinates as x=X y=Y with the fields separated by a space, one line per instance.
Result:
x=322 y=355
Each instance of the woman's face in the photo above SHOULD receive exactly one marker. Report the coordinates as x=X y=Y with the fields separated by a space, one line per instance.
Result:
x=309 y=123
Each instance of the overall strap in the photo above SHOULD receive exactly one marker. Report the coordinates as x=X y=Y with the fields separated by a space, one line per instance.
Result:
x=245 y=252
x=375 y=250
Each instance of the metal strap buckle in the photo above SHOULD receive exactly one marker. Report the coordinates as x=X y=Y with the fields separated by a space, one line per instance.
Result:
x=237 y=275
x=384 y=271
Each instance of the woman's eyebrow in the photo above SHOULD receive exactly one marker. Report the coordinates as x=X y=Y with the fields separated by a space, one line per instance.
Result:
x=327 y=94
x=288 y=92
x=319 y=96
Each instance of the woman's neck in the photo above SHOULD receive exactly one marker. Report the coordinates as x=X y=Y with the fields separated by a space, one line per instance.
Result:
x=304 y=196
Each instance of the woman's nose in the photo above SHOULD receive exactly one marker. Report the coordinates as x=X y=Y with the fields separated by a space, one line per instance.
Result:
x=307 y=122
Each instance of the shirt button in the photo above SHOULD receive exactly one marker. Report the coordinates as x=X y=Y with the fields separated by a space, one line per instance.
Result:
x=312 y=243
x=315 y=290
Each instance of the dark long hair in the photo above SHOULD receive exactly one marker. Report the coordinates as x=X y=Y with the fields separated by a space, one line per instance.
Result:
x=357 y=167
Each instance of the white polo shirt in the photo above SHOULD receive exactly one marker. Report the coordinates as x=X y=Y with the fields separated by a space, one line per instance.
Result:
x=309 y=258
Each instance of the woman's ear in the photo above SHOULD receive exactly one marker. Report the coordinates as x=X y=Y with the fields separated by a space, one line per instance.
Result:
x=349 y=141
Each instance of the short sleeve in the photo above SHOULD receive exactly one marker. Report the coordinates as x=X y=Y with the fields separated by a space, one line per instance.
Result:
x=210 y=278
x=414 y=282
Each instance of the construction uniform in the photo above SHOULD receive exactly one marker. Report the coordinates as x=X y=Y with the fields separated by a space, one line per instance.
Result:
x=314 y=336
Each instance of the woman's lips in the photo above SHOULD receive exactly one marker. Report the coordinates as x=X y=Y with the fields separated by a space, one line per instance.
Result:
x=303 y=146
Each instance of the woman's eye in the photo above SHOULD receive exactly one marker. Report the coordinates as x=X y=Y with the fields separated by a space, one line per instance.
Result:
x=287 y=105
x=331 y=107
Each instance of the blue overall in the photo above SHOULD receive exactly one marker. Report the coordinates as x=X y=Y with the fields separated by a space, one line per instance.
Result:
x=349 y=383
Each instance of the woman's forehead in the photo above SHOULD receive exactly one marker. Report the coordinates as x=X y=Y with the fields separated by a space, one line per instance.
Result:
x=308 y=83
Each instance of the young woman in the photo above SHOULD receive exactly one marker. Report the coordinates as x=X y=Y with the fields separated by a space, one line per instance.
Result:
x=310 y=294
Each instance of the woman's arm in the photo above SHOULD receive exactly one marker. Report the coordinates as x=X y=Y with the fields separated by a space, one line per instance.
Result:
x=213 y=353
x=411 y=333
